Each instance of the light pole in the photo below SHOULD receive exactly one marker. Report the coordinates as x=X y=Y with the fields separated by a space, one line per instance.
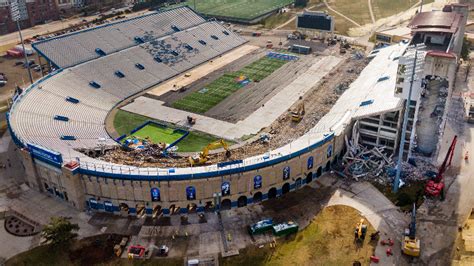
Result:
x=16 y=16
x=396 y=181
x=24 y=52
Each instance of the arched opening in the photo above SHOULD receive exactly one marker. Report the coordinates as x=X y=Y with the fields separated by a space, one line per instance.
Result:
x=242 y=201
x=319 y=172
x=140 y=207
x=174 y=209
x=124 y=209
x=192 y=208
x=309 y=177
x=226 y=204
x=298 y=183
x=328 y=167
x=209 y=207
x=272 y=193
x=286 y=188
x=257 y=197
x=157 y=212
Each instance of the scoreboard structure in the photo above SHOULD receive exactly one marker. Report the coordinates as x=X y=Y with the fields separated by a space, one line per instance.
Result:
x=315 y=21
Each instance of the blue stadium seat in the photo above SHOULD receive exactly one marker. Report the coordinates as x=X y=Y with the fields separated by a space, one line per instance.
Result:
x=61 y=118
x=119 y=74
x=65 y=137
x=139 y=66
x=139 y=40
x=100 y=52
x=72 y=100
x=94 y=84
x=175 y=28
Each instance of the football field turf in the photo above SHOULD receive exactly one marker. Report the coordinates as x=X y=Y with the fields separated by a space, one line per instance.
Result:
x=240 y=9
x=213 y=93
x=158 y=134
x=125 y=122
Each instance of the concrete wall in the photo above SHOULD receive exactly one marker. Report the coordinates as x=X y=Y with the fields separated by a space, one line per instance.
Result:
x=78 y=190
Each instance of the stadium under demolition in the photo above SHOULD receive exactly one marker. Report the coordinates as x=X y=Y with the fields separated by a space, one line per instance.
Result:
x=277 y=120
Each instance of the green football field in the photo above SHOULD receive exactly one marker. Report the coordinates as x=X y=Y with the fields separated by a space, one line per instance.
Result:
x=125 y=122
x=240 y=9
x=158 y=134
x=213 y=93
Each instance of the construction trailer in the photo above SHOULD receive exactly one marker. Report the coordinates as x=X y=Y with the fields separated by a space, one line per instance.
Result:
x=284 y=229
x=261 y=227
x=300 y=49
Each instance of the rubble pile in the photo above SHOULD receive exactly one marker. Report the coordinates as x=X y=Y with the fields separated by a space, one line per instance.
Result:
x=362 y=163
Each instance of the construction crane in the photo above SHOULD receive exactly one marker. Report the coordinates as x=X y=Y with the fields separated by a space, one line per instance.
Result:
x=297 y=115
x=202 y=157
x=360 y=230
x=435 y=186
x=411 y=244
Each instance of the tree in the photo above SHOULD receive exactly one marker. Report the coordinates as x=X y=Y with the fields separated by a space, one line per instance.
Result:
x=59 y=231
x=466 y=46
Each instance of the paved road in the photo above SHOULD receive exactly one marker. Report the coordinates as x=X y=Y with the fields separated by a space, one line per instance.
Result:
x=369 y=2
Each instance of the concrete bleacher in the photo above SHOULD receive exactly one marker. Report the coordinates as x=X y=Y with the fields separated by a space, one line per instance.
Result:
x=32 y=117
x=78 y=47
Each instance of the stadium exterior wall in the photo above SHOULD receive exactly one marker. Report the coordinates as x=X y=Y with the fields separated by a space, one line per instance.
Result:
x=92 y=190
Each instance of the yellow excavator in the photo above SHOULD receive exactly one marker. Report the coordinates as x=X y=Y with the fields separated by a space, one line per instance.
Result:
x=202 y=157
x=410 y=243
x=297 y=115
x=360 y=230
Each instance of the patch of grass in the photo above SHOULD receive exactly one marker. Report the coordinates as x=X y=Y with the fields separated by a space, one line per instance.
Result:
x=406 y=195
x=158 y=134
x=328 y=240
x=42 y=255
x=276 y=20
x=213 y=93
x=240 y=9
x=387 y=8
x=125 y=122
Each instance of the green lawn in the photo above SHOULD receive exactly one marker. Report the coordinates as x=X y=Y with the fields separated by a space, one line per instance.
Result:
x=125 y=122
x=240 y=9
x=387 y=8
x=158 y=134
x=213 y=93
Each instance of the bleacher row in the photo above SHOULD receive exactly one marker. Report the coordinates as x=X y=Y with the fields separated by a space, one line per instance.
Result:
x=78 y=47
x=96 y=88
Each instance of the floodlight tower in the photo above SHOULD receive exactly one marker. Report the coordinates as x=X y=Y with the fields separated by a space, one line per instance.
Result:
x=17 y=16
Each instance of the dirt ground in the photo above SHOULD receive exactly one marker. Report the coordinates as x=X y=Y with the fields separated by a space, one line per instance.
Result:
x=318 y=101
x=328 y=240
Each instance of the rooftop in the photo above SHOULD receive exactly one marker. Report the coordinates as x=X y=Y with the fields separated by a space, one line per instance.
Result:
x=435 y=21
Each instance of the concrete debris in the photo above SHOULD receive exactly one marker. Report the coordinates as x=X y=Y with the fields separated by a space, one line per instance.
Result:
x=362 y=163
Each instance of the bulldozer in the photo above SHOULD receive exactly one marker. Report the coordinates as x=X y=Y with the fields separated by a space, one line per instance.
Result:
x=202 y=157
x=297 y=115
x=411 y=244
x=360 y=231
